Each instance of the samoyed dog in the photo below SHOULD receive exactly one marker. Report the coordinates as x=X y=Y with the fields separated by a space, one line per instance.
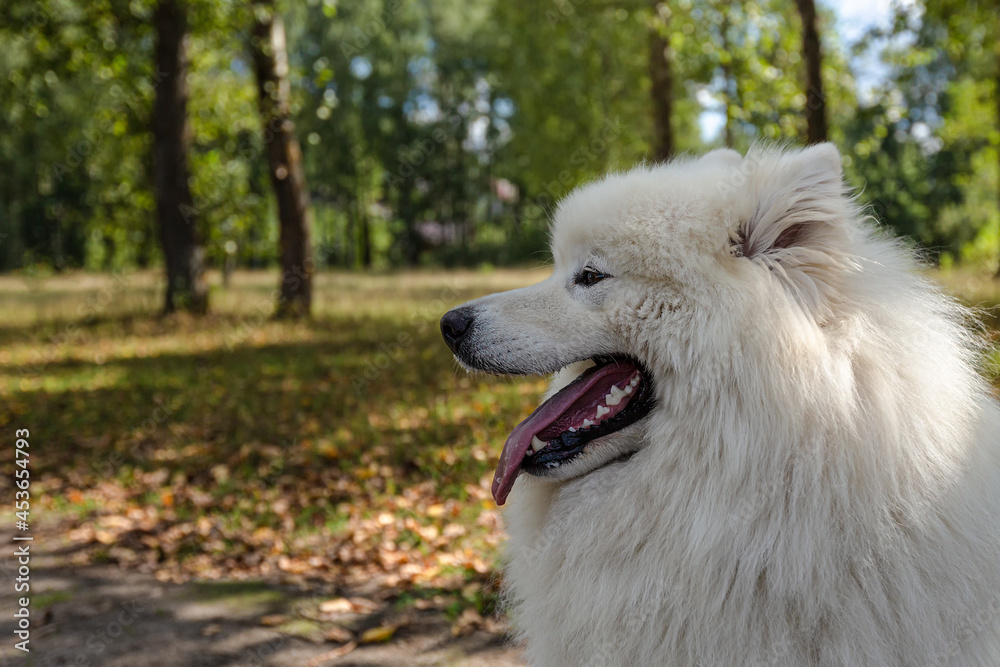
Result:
x=766 y=441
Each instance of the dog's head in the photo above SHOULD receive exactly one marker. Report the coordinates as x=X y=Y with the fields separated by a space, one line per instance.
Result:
x=656 y=274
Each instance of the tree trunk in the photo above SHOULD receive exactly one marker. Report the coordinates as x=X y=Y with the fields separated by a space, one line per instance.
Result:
x=362 y=239
x=270 y=57
x=815 y=100
x=407 y=214
x=662 y=83
x=365 y=241
x=727 y=76
x=175 y=211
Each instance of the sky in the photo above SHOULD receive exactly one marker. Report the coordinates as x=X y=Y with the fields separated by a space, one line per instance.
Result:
x=854 y=18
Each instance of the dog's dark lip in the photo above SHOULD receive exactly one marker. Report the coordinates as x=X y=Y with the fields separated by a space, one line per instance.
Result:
x=472 y=360
x=568 y=445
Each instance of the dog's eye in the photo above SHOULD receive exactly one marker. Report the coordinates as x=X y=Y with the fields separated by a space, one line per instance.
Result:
x=589 y=277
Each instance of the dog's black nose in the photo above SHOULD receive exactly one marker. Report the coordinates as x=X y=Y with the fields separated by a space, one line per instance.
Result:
x=455 y=324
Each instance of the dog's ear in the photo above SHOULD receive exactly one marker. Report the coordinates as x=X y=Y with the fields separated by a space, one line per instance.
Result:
x=797 y=225
x=797 y=197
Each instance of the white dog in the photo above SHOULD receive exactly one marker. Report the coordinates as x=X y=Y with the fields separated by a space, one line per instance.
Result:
x=769 y=443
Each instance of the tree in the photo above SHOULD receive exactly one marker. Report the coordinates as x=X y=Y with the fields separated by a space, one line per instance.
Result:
x=573 y=123
x=661 y=82
x=730 y=79
x=270 y=57
x=742 y=59
x=911 y=143
x=812 y=54
x=947 y=59
x=182 y=250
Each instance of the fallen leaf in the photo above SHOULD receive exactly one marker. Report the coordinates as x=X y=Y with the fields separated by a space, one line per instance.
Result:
x=336 y=606
x=348 y=606
x=338 y=634
x=382 y=633
x=272 y=620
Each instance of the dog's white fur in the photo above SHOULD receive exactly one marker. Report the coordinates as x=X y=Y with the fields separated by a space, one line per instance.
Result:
x=819 y=482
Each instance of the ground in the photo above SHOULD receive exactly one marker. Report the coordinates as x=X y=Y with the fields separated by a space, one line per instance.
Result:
x=104 y=615
x=260 y=492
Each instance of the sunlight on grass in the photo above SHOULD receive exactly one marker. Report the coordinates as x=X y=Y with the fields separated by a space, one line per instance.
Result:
x=349 y=448
x=344 y=448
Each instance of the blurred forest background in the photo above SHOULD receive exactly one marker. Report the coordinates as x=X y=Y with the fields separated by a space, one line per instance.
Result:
x=442 y=133
x=175 y=173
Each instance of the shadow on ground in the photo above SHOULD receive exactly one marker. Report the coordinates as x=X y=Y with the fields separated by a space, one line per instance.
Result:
x=103 y=615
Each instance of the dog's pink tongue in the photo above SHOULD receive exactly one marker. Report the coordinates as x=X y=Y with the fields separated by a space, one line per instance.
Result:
x=544 y=415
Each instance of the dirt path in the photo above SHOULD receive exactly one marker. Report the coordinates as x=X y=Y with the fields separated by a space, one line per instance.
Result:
x=101 y=615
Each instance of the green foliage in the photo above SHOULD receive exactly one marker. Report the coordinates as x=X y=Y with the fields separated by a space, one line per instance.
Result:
x=446 y=132
x=576 y=77
x=926 y=148
x=230 y=185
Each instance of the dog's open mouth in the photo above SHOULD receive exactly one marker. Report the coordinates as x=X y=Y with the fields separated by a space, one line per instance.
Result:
x=605 y=398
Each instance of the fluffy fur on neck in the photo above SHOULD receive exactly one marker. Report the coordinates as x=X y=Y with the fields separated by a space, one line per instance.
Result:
x=820 y=481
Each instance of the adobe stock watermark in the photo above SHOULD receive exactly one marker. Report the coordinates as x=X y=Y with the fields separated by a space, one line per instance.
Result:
x=562 y=11
x=740 y=177
x=249 y=151
x=639 y=620
x=390 y=351
x=124 y=102
x=370 y=27
x=264 y=310
x=416 y=153
x=262 y=653
x=554 y=190
x=97 y=643
x=277 y=465
x=972 y=626
x=88 y=312
x=159 y=416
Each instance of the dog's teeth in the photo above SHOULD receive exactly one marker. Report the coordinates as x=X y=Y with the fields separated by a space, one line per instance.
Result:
x=614 y=396
x=536 y=444
x=586 y=423
x=601 y=411
x=572 y=429
x=634 y=382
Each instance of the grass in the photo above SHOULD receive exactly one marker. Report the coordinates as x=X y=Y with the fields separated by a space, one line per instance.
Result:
x=349 y=448
x=345 y=448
